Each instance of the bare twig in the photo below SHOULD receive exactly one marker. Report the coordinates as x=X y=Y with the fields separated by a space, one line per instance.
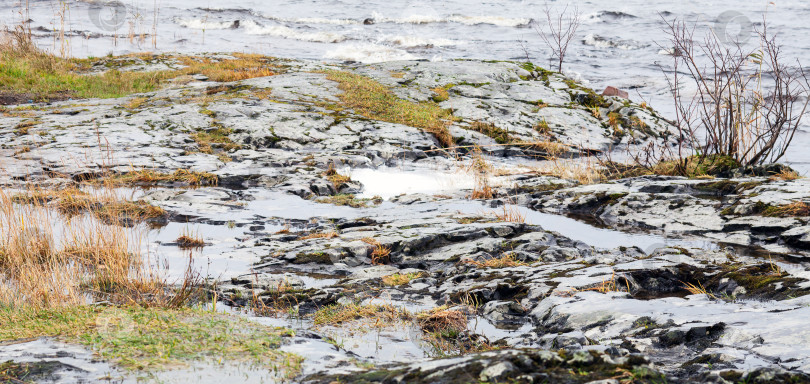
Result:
x=747 y=103
x=560 y=29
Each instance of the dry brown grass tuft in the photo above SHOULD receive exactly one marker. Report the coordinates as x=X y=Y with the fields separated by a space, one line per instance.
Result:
x=614 y=119
x=23 y=127
x=245 y=66
x=381 y=253
x=148 y=177
x=511 y=213
x=335 y=177
x=446 y=331
x=505 y=261
x=103 y=205
x=188 y=240
x=370 y=315
x=320 y=235
x=52 y=262
x=584 y=171
x=481 y=170
x=543 y=128
x=595 y=112
x=285 y=230
x=697 y=289
x=795 y=209
x=442 y=319
x=441 y=94
x=608 y=285
x=550 y=148
x=786 y=175
x=275 y=300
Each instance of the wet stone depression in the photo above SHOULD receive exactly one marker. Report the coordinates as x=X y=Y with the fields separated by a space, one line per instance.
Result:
x=395 y=259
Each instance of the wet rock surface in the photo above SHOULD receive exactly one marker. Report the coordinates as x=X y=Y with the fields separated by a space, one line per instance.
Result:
x=691 y=296
x=760 y=211
x=515 y=366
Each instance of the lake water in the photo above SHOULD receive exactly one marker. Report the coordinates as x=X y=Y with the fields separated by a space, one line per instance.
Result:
x=619 y=43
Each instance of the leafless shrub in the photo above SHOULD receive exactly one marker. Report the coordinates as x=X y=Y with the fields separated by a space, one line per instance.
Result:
x=747 y=104
x=558 y=32
x=481 y=170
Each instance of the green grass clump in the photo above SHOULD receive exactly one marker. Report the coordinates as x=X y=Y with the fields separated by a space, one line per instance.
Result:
x=40 y=76
x=442 y=94
x=501 y=136
x=795 y=209
x=152 y=338
x=695 y=167
x=375 y=101
x=376 y=315
x=28 y=73
x=401 y=278
x=148 y=177
x=215 y=138
x=349 y=201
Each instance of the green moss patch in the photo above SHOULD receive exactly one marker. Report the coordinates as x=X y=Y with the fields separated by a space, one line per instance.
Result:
x=152 y=338
x=375 y=101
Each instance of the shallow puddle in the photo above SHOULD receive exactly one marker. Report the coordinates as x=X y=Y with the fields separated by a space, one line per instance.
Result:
x=316 y=281
x=225 y=253
x=395 y=343
x=75 y=364
x=390 y=182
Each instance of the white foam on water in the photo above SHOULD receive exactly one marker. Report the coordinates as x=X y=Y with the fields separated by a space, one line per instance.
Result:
x=597 y=41
x=323 y=20
x=412 y=18
x=307 y=20
x=254 y=28
x=204 y=24
x=492 y=20
x=409 y=41
x=367 y=53
x=434 y=17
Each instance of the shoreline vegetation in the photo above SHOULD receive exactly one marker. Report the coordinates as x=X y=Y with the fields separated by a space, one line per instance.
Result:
x=72 y=265
x=31 y=75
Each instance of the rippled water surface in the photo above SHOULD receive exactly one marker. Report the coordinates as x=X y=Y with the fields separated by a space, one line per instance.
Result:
x=619 y=43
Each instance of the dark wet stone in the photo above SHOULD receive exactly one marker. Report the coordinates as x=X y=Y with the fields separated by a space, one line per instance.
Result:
x=42 y=371
x=512 y=366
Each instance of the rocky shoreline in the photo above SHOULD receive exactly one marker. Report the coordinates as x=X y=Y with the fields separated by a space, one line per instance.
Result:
x=645 y=279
